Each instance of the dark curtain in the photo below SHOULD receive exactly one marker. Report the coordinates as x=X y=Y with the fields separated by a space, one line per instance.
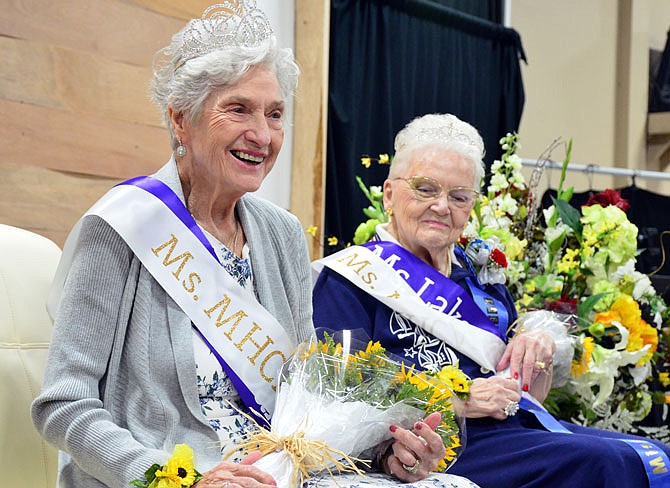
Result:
x=393 y=60
x=485 y=9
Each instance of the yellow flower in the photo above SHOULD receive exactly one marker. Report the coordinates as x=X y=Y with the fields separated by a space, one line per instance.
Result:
x=454 y=378
x=332 y=241
x=582 y=366
x=365 y=161
x=312 y=230
x=667 y=399
x=383 y=158
x=526 y=299
x=179 y=470
x=664 y=378
x=568 y=262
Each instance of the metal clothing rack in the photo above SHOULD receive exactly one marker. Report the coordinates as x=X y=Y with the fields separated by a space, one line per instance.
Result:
x=590 y=169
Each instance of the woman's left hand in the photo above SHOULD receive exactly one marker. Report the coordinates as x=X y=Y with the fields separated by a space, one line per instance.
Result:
x=416 y=452
x=528 y=355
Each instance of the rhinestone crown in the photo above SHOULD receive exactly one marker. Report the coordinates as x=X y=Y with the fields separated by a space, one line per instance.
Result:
x=232 y=23
x=437 y=128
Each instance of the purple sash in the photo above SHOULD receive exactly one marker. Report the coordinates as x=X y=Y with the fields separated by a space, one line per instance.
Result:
x=166 y=195
x=434 y=288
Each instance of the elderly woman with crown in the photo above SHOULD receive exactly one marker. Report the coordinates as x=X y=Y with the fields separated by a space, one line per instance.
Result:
x=178 y=298
x=413 y=289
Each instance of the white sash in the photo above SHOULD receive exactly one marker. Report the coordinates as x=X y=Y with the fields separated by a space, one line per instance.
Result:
x=230 y=319
x=371 y=274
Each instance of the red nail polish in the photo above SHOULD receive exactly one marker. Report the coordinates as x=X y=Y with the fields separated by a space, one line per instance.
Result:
x=516 y=376
x=525 y=387
x=393 y=428
x=417 y=426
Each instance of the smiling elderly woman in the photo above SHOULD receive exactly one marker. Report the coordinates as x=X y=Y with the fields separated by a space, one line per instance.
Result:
x=443 y=315
x=178 y=297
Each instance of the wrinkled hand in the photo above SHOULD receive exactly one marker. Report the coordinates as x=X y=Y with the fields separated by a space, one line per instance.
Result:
x=528 y=355
x=488 y=397
x=420 y=445
x=237 y=475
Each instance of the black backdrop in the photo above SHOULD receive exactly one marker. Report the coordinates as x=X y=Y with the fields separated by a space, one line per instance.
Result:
x=393 y=60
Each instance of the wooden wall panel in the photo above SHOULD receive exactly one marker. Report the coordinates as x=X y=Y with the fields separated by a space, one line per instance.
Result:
x=111 y=29
x=46 y=201
x=80 y=143
x=74 y=81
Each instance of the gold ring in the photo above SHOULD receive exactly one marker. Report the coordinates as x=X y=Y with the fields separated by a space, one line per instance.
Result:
x=412 y=469
x=541 y=364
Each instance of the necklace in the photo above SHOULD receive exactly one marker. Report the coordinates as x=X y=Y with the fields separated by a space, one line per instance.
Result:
x=234 y=239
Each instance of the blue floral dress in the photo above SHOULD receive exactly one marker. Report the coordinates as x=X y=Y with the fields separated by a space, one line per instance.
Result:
x=219 y=401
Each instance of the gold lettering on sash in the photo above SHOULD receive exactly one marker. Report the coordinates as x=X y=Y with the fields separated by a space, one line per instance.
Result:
x=369 y=277
x=395 y=295
x=192 y=277
x=659 y=465
x=260 y=348
x=264 y=362
x=168 y=260
x=351 y=258
x=220 y=320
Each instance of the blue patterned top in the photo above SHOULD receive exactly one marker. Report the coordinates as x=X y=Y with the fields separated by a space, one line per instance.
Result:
x=216 y=390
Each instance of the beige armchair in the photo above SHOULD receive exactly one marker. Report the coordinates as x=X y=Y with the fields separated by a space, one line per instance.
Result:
x=27 y=265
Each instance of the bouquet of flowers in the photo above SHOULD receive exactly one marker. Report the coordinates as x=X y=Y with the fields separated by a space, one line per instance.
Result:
x=335 y=401
x=581 y=262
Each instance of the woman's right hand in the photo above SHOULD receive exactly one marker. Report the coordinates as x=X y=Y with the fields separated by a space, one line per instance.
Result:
x=488 y=397
x=237 y=475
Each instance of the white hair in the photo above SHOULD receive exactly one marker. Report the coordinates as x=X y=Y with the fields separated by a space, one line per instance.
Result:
x=444 y=131
x=185 y=85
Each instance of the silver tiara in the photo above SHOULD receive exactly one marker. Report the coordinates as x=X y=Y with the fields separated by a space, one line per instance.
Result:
x=444 y=132
x=233 y=23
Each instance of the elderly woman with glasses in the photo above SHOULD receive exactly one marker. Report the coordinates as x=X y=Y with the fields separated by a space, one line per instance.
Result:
x=413 y=289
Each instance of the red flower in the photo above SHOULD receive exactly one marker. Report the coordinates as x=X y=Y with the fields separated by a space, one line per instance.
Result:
x=499 y=258
x=563 y=305
x=608 y=197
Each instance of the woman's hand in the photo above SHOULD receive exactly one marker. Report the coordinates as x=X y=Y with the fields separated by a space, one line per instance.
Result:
x=529 y=356
x=237 y=475
x=489 y=397
x=417 y=452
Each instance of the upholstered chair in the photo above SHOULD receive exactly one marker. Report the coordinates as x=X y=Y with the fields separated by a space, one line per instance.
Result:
x=27 y=265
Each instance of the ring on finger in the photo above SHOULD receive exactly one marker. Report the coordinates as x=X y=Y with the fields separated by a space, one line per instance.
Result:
x=411 y=469
x=511 y=409
x=541 y=364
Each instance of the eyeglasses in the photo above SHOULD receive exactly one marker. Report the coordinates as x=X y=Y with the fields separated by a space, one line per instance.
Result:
x=425 y=188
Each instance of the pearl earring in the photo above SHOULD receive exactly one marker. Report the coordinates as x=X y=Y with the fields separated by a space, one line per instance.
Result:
x=181 y=150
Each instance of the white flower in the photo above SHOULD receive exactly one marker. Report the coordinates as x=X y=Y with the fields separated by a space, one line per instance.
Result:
x=514 y=161
x=508 y=204
x=498 y=182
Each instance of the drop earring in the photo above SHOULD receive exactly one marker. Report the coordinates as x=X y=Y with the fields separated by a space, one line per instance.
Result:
x=181 y=150
x=389 y=212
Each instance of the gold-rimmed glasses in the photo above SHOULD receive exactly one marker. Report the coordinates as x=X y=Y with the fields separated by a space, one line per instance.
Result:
x=425 y=188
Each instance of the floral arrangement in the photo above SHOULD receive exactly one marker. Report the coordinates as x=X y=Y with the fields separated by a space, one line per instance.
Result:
x=178 y=472
x=578 y=263
x=336 y=401
x=581 y=262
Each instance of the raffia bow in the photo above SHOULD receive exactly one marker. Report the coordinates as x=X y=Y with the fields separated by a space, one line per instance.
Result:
x=305 y=454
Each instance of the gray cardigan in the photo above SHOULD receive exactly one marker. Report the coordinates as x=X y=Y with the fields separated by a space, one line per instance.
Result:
x=120 y=382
